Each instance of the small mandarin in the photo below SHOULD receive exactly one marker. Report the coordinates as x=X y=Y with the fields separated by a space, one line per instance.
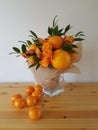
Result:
x=40 y=40
x=29 y=90
x=35 y=113
x=32 y=46
x=38 y=52
x=37 y=94
x=70 y=39
x=31 y=100
x=31 y=51
x=31 y=60
x=14 y=97
x=19 y=103
x=56 y=41
x=38 y=87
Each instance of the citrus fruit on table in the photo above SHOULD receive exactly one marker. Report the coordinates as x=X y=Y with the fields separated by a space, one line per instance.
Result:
x=31 y=101
x=56 y=41
x=38 y=87
x=60 y=59
x=29 y=90
x=15 y=96
x=19 y=103
x=37 y=94
x=35 y=113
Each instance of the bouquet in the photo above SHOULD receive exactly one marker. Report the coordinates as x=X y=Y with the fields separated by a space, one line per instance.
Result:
x=54 y=54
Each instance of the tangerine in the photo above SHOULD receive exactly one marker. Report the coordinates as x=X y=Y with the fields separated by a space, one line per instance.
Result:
x=38 y=87
x=56 y=41
x=14 y=97
x=19 y=103
x=40 y=40
x=32 y=46
x=70 y=39
x=38 y=52
x=35 y=113
x=31 y=100
x=60 y=59
x=29 y=90
x=31 y=60
x=37 y=94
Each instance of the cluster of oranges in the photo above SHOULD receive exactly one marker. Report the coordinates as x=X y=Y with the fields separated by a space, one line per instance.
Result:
x=50 y=53
x=54 y=51
x=33 y=95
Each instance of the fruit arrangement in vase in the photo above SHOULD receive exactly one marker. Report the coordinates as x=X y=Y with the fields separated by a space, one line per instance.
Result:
x=51 y=56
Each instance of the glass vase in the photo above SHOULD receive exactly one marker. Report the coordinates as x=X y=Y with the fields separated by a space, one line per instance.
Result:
x=53 y=86
x=51 y=80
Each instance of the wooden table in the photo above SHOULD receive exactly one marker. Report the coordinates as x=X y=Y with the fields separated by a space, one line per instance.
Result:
x=75 y=109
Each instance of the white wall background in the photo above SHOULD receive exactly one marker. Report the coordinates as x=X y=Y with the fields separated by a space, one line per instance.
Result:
x=17 y=17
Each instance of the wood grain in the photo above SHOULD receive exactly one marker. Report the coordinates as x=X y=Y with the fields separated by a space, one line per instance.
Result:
x=75 y=109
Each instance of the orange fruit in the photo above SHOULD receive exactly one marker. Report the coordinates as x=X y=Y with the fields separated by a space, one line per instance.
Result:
x=31 y=100
x=35 y=113
x=46 y=46
x=60 y=59
x=38 y=52
x=19 y=103
x=31 y=60
x=70 y=39
x=32 y=46
x=14 y=97
x=40 y=40
x=38 y=88
x=37 y=94
x=30 y=51
x=56 y=41
x=29 y=90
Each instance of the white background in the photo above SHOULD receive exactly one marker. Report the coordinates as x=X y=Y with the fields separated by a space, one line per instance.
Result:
x=17 y=17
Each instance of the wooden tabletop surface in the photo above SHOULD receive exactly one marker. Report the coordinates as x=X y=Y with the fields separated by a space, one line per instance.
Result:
x=75 y=109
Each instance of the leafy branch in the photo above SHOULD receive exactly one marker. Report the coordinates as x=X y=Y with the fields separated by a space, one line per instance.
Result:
x=69 y=47
x=79 y=35
x=54 y=30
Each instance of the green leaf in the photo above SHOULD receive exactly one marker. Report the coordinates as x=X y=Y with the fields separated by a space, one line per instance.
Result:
x=67 y=29
x=50 y=30
x=32 y=65
x=16 y=49
x=74 y=46
x=23 y=48
x=54 y=22
x=17 y=55
x=33 y=34
x=60 y=30
x=56 y=30
x=29 y=42
x=24 y=43
x=36 y=58
x=12 y=53
x=50 y=66
x=68 y=47
x=79 y=39
x=37 y=66
x=79 y=33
